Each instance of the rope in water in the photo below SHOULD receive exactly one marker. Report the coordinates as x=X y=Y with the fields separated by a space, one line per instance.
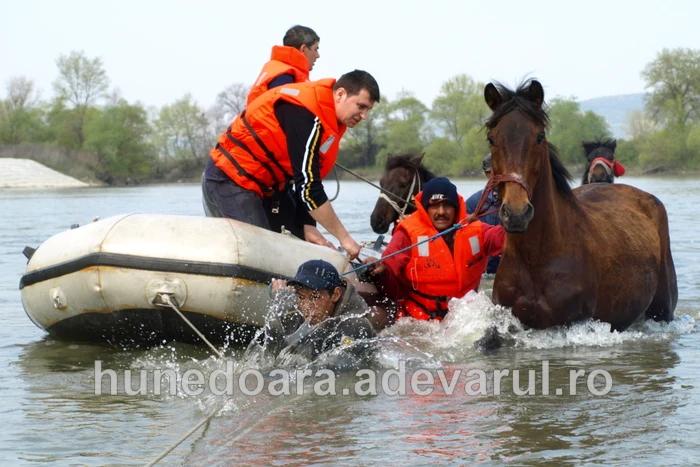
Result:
x=166 y=301
x=178 y=442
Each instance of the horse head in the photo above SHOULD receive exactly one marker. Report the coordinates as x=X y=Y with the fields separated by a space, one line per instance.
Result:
x=403 y=178
x=601 y=166
x=522 y=158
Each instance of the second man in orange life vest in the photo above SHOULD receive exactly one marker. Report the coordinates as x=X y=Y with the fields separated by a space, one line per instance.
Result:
x=289 y=63
x=424 y=278
x=291 y=132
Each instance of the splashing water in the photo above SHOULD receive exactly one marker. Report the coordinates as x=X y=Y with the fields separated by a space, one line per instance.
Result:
x=470 y=317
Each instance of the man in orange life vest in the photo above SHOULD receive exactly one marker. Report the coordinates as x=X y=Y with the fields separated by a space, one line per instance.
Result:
x=291 y=132
x=424 y=278
x=289 y=63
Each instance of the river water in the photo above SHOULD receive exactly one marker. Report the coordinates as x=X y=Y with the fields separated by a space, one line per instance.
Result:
x=647 y=415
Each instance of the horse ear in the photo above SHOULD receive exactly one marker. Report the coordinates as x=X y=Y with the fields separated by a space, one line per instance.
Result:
x=612 y=145
x=417 y=160
x=536 y=93
x=588 y=147
x=492 y=97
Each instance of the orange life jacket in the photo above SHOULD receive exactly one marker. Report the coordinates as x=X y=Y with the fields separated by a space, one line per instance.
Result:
x=437 y=275
x=253 y=150
x=284 y=60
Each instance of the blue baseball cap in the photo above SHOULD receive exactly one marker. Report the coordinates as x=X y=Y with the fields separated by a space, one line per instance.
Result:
x=439 y=190
x=316 y=274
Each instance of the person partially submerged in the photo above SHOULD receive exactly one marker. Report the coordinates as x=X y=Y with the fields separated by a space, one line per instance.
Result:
x=314 y=313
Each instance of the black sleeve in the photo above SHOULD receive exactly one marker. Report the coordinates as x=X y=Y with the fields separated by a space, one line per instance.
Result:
x=281 y=80
x=303 y=131
x=301 y=213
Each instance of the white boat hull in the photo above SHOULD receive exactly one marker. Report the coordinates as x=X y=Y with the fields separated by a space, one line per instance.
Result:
x=98 y=282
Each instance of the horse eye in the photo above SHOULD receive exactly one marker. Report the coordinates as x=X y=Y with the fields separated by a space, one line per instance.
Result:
x=540 y=138
x=403 y=185
x=491 y=141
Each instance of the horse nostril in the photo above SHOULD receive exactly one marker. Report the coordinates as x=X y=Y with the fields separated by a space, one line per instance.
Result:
x=504 y=211
x=530 y=211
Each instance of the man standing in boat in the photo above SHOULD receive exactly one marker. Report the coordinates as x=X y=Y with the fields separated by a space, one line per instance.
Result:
x=289 y=63
x=291 y=132
x=424 y=278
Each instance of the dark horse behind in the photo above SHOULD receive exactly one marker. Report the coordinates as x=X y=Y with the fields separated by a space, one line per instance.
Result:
x=601 y=166
x=404 y=176
x=601 y=251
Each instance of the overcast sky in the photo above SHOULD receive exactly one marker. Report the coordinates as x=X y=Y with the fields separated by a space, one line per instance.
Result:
x=156 y=51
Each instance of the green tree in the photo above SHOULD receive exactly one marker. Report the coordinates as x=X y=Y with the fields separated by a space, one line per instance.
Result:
x=569 y=126
x=21 y=113
x=81 y=82
x=362 y=143
x=406 y=129
x=229 y=103
x=627 y=152
x=119 y=136
x=459 y=107
x=674 y=82
x=673 y=103
x=183 y=134
x=458 y=112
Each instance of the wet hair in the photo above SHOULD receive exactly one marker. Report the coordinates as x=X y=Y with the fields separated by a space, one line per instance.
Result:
x=300 y=35
x=357 y=80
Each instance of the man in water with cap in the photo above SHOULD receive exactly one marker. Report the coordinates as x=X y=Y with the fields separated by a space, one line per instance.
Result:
x=492 y=203
x=315 y=312
x=424 y=278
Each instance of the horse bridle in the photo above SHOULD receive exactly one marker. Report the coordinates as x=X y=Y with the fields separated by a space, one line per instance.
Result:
x=607 y=166
x=494 y=181
x=407 y=201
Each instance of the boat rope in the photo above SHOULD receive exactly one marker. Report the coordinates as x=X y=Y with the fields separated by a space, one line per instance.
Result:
x=165 y=299
x=168 y=301
x=183 y=438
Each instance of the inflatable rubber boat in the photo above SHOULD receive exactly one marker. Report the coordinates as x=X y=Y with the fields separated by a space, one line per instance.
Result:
x=107 y=281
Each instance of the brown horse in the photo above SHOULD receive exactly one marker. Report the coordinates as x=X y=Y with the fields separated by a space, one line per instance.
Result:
x=601 y=166
x=601 y=251
x=404 y=177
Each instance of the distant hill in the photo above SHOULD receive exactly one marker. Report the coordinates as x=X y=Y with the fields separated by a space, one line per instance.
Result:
x=615 y=109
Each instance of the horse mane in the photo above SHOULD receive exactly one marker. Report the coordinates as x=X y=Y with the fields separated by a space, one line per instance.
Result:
x=408 y=161
x=562 y=177
x=519 y=100
x=607 y=143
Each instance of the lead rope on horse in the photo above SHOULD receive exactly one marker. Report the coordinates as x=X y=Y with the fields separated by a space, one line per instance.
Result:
x=493 y=182
x=457 y=226
x=337 y=185
x=383 y=190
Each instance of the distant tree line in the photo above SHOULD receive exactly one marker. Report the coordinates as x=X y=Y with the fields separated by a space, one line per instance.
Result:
x=87 y=129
